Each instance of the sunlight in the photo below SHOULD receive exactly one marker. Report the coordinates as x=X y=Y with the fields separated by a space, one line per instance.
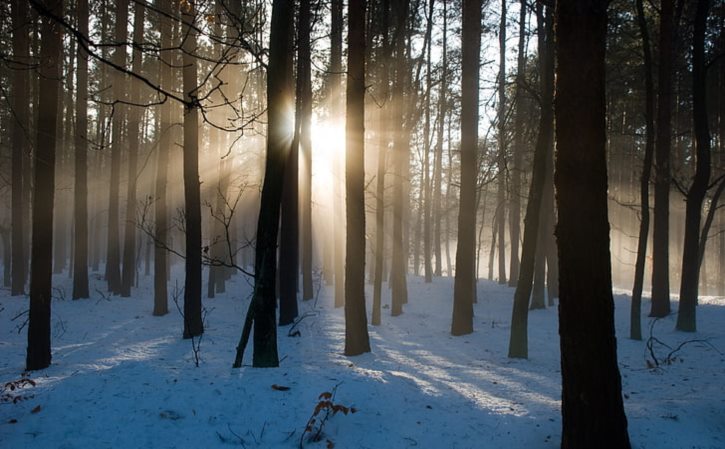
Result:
x=328 y=148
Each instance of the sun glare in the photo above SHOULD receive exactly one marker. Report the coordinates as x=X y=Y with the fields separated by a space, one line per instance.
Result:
x=328 y=148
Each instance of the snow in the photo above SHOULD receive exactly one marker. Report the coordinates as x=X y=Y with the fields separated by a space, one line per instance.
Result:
x=122 y=378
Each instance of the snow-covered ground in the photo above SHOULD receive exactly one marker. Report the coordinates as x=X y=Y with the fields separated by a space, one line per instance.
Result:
x=122 y=378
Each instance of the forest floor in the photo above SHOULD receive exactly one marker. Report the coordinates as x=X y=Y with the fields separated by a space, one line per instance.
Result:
x=122 y=378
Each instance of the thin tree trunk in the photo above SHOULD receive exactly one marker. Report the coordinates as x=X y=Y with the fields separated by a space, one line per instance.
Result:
x=635 y=331
x=305 y=94
x=501 y=160
x=427 y=260
x=129 y=239
x=80 y=258
x=518 y=342
x=381 y=169
x=337 y=202
x=400 y=155
x=438 y=158
x=518 y=150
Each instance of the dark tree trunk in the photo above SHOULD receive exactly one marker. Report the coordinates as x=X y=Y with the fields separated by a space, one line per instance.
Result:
x=464 y=285
x=80 y=258
x=356 y=323
x=290 y=228
x=384 y=68
x=21 y=49
x=162 y=165
x=129 y=239
x=635 y=331
x=193 y=325
x=262 y=307
x=518 y=342
x=41 y=260
x=501 y=159
x=438 y=158
x=592 y=408
x=305 y=98
x=399 y=266
x=660 y=242
x=686 y=316
x=338 y=261
x=427 y=259
x=518 y=150
x=113 y=268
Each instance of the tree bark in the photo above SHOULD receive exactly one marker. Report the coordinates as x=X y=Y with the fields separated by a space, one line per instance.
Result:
x=635 y=331
x=356 y=323
x=384 y=131
x=337 y=202
x=518 y=150
x=660 y=242
x=689 y=282
x=518 y=342
x=80 y=258
x=162 y=166
x=438 y=158
x=21 y=49
x=501 y=159
x=113 y=268
x=193 y=325
x=262 y=311
x=128 y=274
x=41 y=260
x=592 y=407
x=464 y=285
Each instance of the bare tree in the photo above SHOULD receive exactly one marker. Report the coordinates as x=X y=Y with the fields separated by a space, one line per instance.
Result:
x=41 y=260
x=356 y=323
x=464 y=286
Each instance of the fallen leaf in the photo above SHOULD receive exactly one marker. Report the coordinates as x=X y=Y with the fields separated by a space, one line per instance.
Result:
x=279 y=387
x=36 y=409
x=13 y=421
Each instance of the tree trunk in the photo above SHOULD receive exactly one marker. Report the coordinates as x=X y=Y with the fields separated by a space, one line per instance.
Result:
x=635 y=331
x=162 y=166
x=41 y=260
x=384 y=131
x=337 y=202
x=80 y=258
x=193 y=325
x=438 y=158
x=129 y=239
x=427 y=259
x=518 y=342
x=356 y=323
x=686 y=316
x=660 y=242
x=279 y=92
x=400 y=155
x=518 y=150
x=113 y=269
x=305 y=94
x=464 y=285
x=592 y=408
x=21 y=49
x=501 y=159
